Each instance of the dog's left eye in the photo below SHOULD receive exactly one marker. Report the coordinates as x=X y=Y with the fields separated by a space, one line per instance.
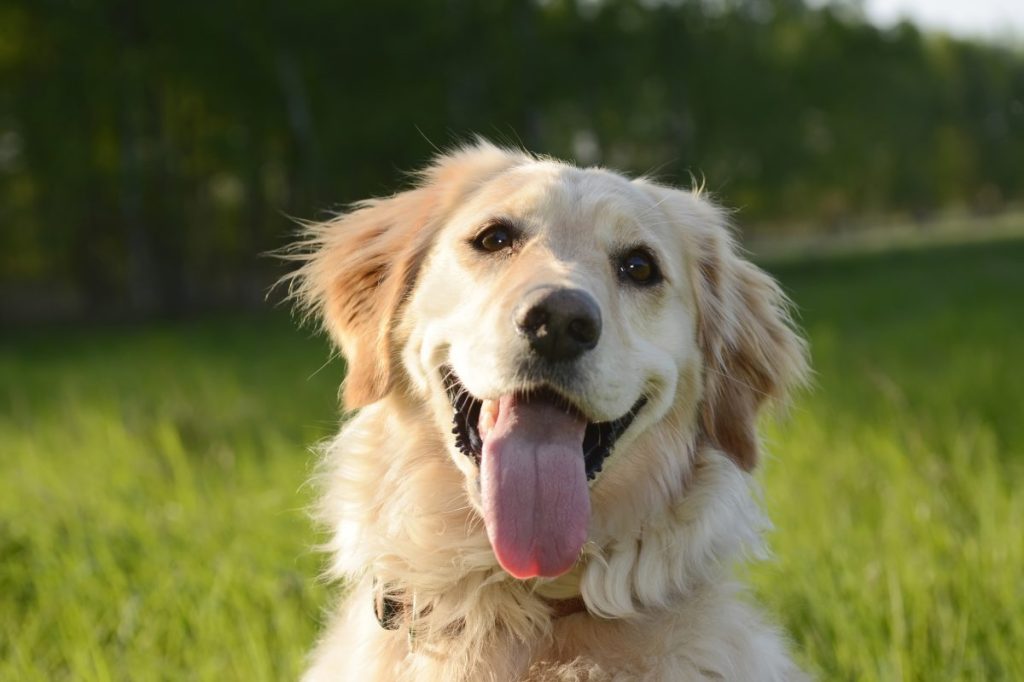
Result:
x=494 y=238
x=638 y=266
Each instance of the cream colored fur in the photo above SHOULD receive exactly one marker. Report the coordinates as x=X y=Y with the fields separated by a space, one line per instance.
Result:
x=675 y=506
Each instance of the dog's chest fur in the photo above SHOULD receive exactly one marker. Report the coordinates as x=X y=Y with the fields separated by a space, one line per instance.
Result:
x=397 y=512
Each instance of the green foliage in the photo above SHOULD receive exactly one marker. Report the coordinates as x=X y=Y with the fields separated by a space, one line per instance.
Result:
x=152 y=502
x=149 y=150
x=152 y=496
x=897 y=485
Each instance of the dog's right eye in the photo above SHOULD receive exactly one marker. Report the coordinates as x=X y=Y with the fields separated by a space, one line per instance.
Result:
x=639 y=267
x=496 y=237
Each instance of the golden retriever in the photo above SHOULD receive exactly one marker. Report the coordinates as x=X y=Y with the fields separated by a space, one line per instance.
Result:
x=557 y=374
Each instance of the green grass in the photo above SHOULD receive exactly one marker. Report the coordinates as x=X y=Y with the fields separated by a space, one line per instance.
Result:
x=152 y=520
x=898 y=486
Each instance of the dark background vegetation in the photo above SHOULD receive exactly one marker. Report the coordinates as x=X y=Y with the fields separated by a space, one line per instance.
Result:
x=150 y=152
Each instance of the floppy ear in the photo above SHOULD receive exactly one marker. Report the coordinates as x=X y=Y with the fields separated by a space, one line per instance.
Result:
x=751 y=351
x=357 y=272
x=358 y=269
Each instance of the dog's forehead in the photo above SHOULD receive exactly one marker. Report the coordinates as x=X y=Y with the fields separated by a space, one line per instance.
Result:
x=569 y=202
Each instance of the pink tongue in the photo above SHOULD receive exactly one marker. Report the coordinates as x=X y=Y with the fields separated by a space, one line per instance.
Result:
x=536 y=503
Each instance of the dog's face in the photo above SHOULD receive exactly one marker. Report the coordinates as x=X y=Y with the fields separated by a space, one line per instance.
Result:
x=548 y=317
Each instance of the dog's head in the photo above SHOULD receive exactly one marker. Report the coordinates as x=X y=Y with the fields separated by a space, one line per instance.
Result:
x=550 y=318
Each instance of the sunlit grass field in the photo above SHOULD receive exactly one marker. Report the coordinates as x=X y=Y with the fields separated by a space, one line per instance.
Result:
x=152 y=496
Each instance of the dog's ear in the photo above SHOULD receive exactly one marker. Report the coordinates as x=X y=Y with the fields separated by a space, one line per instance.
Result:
x=747 y=337
x=358 y=269
x=751 y=350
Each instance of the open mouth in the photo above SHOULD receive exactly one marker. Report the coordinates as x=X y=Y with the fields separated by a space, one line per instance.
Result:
x=536 y=452
x=599 y=438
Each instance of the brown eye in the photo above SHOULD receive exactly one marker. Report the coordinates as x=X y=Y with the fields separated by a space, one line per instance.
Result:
x=638 y=267
x=495 y=238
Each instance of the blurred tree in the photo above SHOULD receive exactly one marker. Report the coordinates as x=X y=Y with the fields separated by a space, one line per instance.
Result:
x=149 y=152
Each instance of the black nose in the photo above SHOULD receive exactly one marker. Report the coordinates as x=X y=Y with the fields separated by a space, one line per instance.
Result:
x=560 y=324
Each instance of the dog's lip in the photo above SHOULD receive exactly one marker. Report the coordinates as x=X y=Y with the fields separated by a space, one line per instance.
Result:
x=600 y=436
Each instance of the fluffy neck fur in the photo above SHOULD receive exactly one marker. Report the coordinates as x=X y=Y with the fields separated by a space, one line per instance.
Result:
x=398 y=513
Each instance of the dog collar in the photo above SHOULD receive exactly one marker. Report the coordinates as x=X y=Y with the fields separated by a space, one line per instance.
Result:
x=394 y=612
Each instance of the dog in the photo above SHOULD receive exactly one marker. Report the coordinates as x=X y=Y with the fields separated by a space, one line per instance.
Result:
x=556 y=375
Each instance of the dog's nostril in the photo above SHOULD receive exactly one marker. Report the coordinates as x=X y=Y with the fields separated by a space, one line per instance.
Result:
x=560 y=324
x=531 y=318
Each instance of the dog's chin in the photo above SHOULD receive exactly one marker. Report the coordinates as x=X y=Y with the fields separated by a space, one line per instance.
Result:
x=536 y=452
